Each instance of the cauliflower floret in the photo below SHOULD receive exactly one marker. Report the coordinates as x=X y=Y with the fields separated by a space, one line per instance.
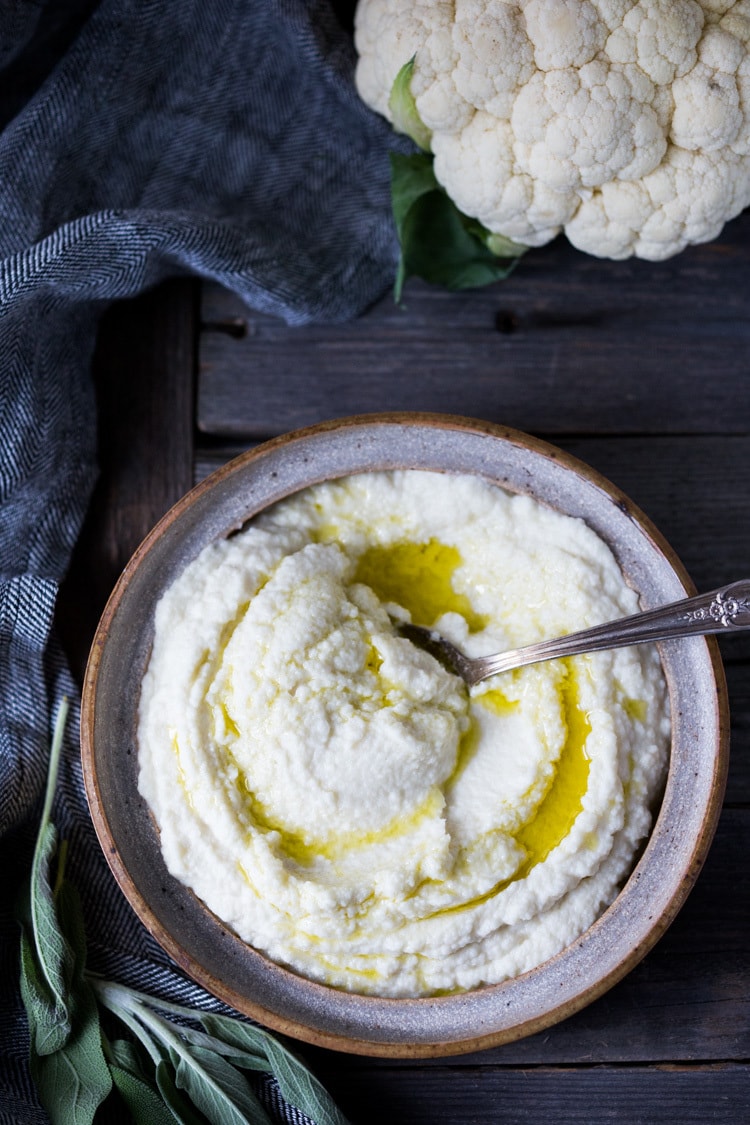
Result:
x=707 y=112
x=389 y=32
x=494 y=55
x=581 y=128
x=660 y=36
x=737 y=22
x=625 y=123
x=484 y=151
x=686 y=200
x=565 y=33
x=714 y=9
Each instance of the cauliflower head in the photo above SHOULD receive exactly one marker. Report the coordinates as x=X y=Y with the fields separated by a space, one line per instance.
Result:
x=625 y=123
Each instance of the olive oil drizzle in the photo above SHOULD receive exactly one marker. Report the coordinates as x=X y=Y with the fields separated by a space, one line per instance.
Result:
x=563 y=801
x=418 y=576
x=558 y=810
x=304 y=852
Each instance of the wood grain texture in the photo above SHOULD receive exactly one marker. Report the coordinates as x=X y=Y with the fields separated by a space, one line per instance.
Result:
x=143 y=371
x=488 y=1095
x=567 y=344
x=738 y=687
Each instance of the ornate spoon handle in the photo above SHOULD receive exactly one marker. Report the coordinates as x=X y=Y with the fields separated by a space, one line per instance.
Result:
x=720 y=611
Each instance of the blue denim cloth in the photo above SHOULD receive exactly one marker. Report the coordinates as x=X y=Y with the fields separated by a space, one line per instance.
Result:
x=141 y=140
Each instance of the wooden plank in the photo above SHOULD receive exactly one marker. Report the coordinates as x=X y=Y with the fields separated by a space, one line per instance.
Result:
x=144 y=372
x=568 y=344
x=695 y=489
x=738 y=687
x=485 y=1095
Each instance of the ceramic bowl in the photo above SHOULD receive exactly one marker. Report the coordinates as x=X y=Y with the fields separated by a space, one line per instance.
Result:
x=275 y=996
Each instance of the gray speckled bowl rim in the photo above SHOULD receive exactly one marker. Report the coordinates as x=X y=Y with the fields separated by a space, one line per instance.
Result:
x=275 y=996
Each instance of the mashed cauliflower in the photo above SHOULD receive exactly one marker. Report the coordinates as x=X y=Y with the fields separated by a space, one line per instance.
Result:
x=345 y=804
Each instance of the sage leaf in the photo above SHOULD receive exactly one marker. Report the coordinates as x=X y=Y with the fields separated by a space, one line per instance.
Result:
x=301 y=1088
x=135 y=1087
x=70 y=919
x=180 y=1108
x=125 y=1055
x=298 y=1086
x=81 y=1059
x=238 y=1056
x=37 y=911
x=242 y=1039
x=145 y=1104
x=49 y=1027
x=73 y=1081
x=217 y=1088
x=55 y=957
x=67 y=1061
x=438 y=242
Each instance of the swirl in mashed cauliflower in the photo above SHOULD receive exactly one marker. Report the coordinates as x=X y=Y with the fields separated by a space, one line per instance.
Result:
x=345 y=804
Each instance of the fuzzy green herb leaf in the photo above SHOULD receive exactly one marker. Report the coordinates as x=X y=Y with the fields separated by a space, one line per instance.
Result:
x=179 y=1106
x=50 y=1030
x=67 y=1061
x=37 y=911
x=54 y=953
x=130 y=1077
x=217 y=1088
x=123 y=1053
x=438 y=242
x=70 y=916
x=145 y=1104
x=73 y=1081
x=296 y=1083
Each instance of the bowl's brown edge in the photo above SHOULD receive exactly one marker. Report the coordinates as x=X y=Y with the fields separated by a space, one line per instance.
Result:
x=306 y=1032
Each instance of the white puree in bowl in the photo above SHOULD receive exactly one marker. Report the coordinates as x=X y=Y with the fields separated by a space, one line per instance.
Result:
x=346 y=805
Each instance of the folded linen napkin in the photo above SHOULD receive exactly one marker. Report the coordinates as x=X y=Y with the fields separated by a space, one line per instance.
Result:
x=141 y=140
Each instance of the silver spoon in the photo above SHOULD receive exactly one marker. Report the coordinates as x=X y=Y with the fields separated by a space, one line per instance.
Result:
x=724 y=609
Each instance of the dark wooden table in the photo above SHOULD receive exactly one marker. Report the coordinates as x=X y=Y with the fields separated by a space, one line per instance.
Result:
x=643 y=371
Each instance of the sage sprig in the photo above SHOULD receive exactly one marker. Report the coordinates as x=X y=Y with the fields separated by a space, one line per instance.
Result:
x=178 y=1065
x=67 y=1060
